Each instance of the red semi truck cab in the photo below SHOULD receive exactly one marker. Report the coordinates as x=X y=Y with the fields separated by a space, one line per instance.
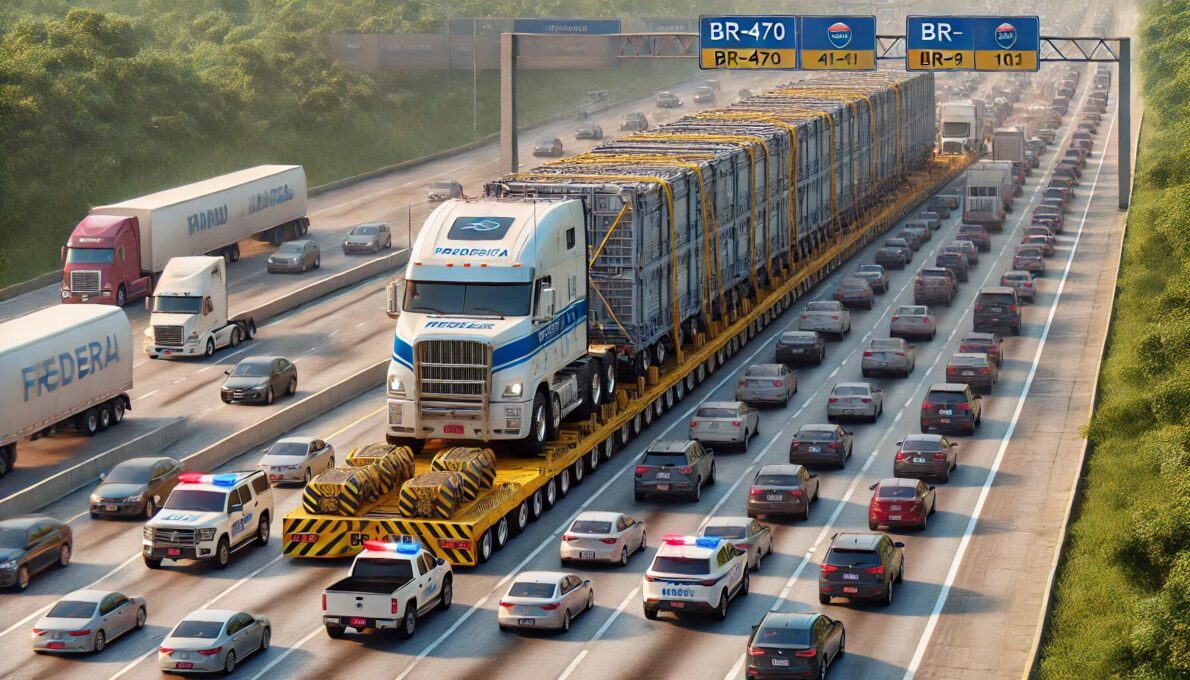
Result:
x=102 y=262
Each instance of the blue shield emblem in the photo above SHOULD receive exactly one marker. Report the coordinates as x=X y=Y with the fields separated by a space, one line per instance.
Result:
x=839 y=34
x=1006 y=35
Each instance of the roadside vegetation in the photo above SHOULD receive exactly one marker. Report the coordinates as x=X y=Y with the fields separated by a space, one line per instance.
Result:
x=1122 y=607
x=102 y=100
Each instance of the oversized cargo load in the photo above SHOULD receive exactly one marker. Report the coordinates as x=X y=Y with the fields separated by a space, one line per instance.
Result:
x=476 y=467
x=388 y=466
x=64 y=366
x=342 y=491
x=433 y=495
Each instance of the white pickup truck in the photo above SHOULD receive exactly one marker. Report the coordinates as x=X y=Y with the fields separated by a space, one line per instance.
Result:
x=390 y=586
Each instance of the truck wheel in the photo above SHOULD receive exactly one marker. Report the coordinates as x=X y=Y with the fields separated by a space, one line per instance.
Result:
x=608 y=366
x=483 y=547
x=5 y=464
x=501 y=532
x=520 y=518
x=551 y=493
x=152 y=563
x=536 y=505
x=555 y=419
x=334 y=632
x=578 y=470
x=539 y=423
x=250 y=329
x=563 y=483
x=235 y=337
x=118 y=409
x=222 y=554
x=592 y=384
x=121 y=296
x=210 y=351
x=447 y=593
x=88 y=422
x=105 y=417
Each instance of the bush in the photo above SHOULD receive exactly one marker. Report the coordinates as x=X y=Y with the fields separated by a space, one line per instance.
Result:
x=1170 y=401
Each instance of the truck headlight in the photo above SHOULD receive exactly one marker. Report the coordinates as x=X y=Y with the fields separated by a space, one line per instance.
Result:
x=148 y=533
x=193 y=335
x=65 y=294
x=513 y=389
x=395 y=386
x=206 y=534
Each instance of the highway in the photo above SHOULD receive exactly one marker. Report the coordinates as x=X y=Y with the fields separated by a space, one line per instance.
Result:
x=614 y=640
x=314 y=336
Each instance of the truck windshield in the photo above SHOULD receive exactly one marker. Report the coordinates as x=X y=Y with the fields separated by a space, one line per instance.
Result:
x=478 y=299
x=953 y=129
x=177 y=304
x=383 y=569
x=89 y=256
x=198 y=501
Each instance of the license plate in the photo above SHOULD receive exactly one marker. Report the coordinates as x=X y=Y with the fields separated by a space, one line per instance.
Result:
x=968 y=372
x=663 y=487
x=587 y=555
x=184 y=665
x=850 y=577
x=714 y=426
x=848 y=412
x=894 y=508
x=274 y=478
x=882 y=364
x=944 y=421
x=678 y=605
x=780 y=662
x=946 y=412
x=111 y=508
x=918 y=460
x=894 y=518
x=677 y=592
x=56 y=645
x=452 y=429
x=774 y=497
x=663 y=475
x=525 y=622
x=173 y=552
x=815 y=449
x=851 y=590
x=357 y=621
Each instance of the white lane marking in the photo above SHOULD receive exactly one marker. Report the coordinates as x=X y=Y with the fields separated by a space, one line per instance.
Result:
x=148 y=394
x=985 y=490
x=281 y=657
x=182 y=379
x=359 y=324
x=46 y=608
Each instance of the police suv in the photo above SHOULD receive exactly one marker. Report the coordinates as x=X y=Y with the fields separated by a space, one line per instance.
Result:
x=692 y=574
x=207 y=516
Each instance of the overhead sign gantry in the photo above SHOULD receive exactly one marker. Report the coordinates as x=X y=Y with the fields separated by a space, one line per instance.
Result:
x=971 y=43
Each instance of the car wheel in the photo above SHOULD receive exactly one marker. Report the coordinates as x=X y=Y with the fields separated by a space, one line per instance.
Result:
x=824 y=598
x=229 y=664
x=409 y=623
x=268 y=395
x=590 y=600
x=901 y=572
x=262 y=530
x=64 y=551
x=746 y=583
x=624 y=556
x=721 y=610
x=141 y=617
x=888 y=595
x=264 y=639
x=566 y=621
x=921 y=526
x=711 y=481
x=872 y=525
x=100 y=642
x=696 y=496
x=222 y=554
x=318 y=262
x=447 y=593
x=292 y=388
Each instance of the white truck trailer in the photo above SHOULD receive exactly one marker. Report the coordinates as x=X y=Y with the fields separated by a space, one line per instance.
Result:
x=65 y=367
x=962 y=126
x=189 y=311
x=988 y=194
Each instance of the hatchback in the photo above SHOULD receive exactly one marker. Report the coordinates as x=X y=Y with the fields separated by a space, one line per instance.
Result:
x=901 y=503
x=984 y=343
x=1029 y=258
x=1046 y=243
x=937 y=206
x=955 y=261
x=634 y=121
x=976 y=234
x=782 y=489
x=951 y=406
x=913 y=237
x=672 y=468
x=977 y=370
x=602 y=537
x=925 y=455
x=902 y=246
x=725 y=422
x=893 y=256
x=295 y=257
x=766 y=384
x=861 y=567
x=913 y=321
x=794 y=645
x=798 y=347
x=854 y=400
x=888 y=355
x=932 y=220
x=544 y=600
x=821 y=445
x=967 y=247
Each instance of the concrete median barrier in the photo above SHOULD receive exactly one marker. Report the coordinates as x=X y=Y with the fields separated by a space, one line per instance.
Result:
x=68 y=481
x=324 y=287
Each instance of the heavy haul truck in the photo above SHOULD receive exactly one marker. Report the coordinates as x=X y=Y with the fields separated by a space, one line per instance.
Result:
x=544 y=326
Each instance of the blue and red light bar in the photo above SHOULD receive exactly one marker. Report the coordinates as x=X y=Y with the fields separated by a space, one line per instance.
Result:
x=403 y=547
x=699 y=541
x=224 y=479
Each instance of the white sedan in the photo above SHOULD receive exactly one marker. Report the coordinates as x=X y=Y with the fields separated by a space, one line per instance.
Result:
x=602 y=537
x=86 y=620
x=545 y=599
x=724 y=422
x=297 y=459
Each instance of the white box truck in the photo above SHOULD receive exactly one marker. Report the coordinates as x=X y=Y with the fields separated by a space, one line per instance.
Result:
x=962 y=126
x=64 y=366
x=113 y=254
x=988 y=194
x=189 y=310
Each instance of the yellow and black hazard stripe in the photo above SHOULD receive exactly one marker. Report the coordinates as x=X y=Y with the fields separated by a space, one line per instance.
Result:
x=339 y=491
x=332 y=537
x=433 y=495
x=476 y=466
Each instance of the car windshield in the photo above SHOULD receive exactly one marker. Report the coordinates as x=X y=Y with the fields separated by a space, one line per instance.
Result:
x=89 y=255
x=804 y=435
x=472 y=299
x=586 y=526
x=780 y=635
x=974 y=361
x=130 y=472
x=442 y=185
x=72 y=609
x=940 y=397
x=686 y=566
x=994 y=299
x=926 y=445
x=821 y=307
x=796 y=339
x=289 y=449
x=850 y=391
x=177 y=304
x=776 y=480
x=196 y=500
x=291 y=248
x=843 y=557
x=725 y=531
x=763 y=371
x=252 y=369
x=896 y=492
x=663 y=459
x=382 y=569
x=370 y=229
x=205 y=630
x=715 y=412
x=525 y=589
x=12 y=538
x=886 y=344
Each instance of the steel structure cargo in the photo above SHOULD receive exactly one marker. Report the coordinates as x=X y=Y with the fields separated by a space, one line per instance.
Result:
x=687 y=220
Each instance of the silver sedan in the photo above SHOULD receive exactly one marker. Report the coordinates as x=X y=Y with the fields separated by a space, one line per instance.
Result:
x=86 y=620
x=213 y=641
x=913 y=321
x=744 y=533
x=297 y=459
x=826 y=316
x=768 y=383
x=602 y=537
x=545 y=599
x=854 y=400
x=888 y=355
x=728 y=422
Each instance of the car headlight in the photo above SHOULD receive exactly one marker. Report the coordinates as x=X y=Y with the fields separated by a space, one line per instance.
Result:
x=513 y=389
x=206 y=534
x=135 y=498
x=9 y=565
x=395 y=386
x=148 y=533
x=290 y=467
x=95 y=498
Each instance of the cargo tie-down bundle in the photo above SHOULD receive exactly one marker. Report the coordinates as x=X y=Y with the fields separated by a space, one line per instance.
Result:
x=387 y=466
x=339 y=491
x=640 y=266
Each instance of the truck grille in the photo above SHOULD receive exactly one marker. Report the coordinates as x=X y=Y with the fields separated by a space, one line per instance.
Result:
x=451 y=372
x=84 y=282
x=174 y=536
x=169 y=336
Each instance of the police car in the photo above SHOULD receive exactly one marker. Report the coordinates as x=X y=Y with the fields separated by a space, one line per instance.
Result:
x=208 y=516
x=694 y=575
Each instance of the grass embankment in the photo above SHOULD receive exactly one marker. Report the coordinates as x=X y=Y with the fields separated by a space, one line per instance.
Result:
x=1122 y=606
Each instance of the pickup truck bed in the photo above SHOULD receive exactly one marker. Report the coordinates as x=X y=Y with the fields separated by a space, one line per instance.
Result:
x=370 y=586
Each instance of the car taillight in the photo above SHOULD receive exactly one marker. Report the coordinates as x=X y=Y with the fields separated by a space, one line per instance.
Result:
x=756 y=493
x=567 y=537
x=896 y=318
x=650 y=579
x=865 y=401
x=608 y=541
x=685 y=469
x=979 y=308
x=833 y=445
x=805 y=316
x=210 y=652
x=828 y=568
x=984 y=371
x=964 y=407
x=867 y=353
x=550 y=607
x=795 y=492
x=833 y=400
x=80 y=633
x=1012 y=308
x=324 y=602
x=874 y=570
x=806 y=653
x=952 y=369
x=708 y=582
x=835 y=317
x=778 y=383
x=926 y=405
x=939 y=456
x=1028 y=285
x=756 y=651
x=392 y=605
x=38 y=631
x=506 y=605
x=693 y=423
x=641 y=469
x=795 y=445
x=900 y=354
x=165 y=650
x=900 y=455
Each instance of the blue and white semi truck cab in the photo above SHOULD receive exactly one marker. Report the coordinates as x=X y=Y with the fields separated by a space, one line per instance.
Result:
x=491 y=341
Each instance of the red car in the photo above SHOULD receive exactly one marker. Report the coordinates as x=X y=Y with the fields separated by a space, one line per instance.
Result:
x=900 y=503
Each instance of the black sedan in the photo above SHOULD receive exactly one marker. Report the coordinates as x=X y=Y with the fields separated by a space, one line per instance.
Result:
x=259 y=379
x=135 y=488
x=800 y=347
x=548 y=146
x=794 y=645
x=29 y=544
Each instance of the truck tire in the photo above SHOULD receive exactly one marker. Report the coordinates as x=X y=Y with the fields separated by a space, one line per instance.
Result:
x=250 y=329
x=501 y=533
x=121 y=296
x=409 y=621
x=484 y=547
x=592 y=386
x=415 y=445
x=539 y=423
x=152 y=563
x=235 y=337
x=105 y=417
x=118 y=409
x=519 y=518
x=88 y=422
x=7 y=458
x=608 y=366
x=210 y=351
x=334 y=632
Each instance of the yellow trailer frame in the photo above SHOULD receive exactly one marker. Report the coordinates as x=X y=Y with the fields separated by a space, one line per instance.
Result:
x=483 y=525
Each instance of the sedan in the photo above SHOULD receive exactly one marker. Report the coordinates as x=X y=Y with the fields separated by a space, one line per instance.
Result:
x=368 y=238
x=589 y=132
x=985 y=343
x=135 y=488
x=213 y=641
x=602 y=537
x=1029 y=258
x=976 y=234
x=797 y=347
x=901 y=503
x=744 y=533
x=913 y=321
x=967 y=247
x=977 y=370
x=767 y=383
x=875 y=275
x=893 y=256
x=295 y=257
x=854 y=400
x=888 y=355
x=933 y=220
x=1046 y=243
x=955 y=261
x=704 y=95
x=29 y=544
x=1022 y=282
x=925 y=455
x=667 y=100
x=545 y=599
x=913 y=237
x=782 y=489
x=732 y=422
x=86 y=620
x=443 y=190
x=548 y=146
x=821 y=444
x=902 y=245
x=297 y=459
x=853 y=291
x=790 y=645
x=259 y=379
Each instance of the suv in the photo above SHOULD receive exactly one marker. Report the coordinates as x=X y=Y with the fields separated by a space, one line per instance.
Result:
x=976 y=234
x=694 y=574
x=861 y=566
x=207 y=516
x=997 y=307
x=674 y=467
x=634 y=121
x=951 y=406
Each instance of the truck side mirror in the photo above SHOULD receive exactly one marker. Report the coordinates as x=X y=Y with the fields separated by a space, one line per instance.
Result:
x=545 y=305
x=149 y=303
x=392 y=299
x=62 y=253
x=207 y=305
